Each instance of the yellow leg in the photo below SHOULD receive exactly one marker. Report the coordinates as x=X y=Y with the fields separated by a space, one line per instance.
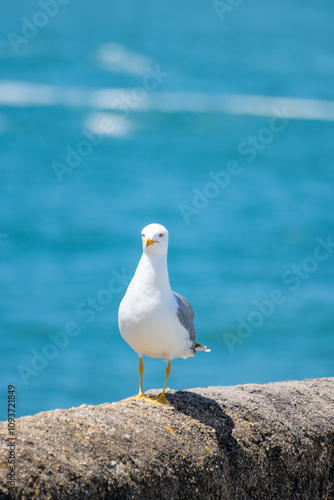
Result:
x=158 y=400
x=141 y=394
x=161 y=400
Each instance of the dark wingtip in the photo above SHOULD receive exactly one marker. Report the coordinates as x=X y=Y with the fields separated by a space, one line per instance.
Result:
x=200 y=347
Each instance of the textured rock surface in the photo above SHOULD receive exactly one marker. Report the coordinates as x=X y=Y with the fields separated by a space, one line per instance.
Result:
x=273 y=441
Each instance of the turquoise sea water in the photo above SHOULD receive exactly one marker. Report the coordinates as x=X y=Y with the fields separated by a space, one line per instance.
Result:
x=216 y=122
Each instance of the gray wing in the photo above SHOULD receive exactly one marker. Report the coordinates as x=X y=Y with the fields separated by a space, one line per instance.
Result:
x=186 y=315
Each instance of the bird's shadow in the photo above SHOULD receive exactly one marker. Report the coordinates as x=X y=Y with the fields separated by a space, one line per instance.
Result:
x=208 y=412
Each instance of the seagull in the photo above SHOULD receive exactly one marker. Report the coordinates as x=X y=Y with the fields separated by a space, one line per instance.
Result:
x=152 y=319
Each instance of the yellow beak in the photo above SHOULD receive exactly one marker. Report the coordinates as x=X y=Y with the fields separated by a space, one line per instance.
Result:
x=149 y=242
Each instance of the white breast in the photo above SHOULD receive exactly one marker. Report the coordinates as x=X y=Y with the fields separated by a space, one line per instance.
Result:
x=148 y=322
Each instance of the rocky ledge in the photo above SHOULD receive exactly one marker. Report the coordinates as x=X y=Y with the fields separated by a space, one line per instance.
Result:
x=272 y=441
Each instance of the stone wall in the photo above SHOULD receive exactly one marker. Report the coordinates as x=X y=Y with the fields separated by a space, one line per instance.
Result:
x=273 y=441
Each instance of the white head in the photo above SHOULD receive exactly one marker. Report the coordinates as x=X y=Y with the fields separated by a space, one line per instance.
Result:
x=155 y=239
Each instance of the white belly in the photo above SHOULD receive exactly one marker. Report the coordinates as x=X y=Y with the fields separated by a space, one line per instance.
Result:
x=151 y=327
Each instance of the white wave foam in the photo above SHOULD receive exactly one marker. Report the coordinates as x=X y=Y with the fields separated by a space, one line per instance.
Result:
x=24 y=94
x=297 y=108
x=109 y=124
x=118 y=59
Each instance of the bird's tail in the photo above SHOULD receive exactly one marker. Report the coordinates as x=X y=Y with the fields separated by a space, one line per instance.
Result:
x=200 y=347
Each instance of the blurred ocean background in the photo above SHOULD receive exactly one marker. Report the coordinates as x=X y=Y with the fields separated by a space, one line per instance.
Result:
x=114 y=115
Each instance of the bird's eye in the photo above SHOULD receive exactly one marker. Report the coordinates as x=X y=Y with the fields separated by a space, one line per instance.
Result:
x=143 y=235
x=161 y=235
